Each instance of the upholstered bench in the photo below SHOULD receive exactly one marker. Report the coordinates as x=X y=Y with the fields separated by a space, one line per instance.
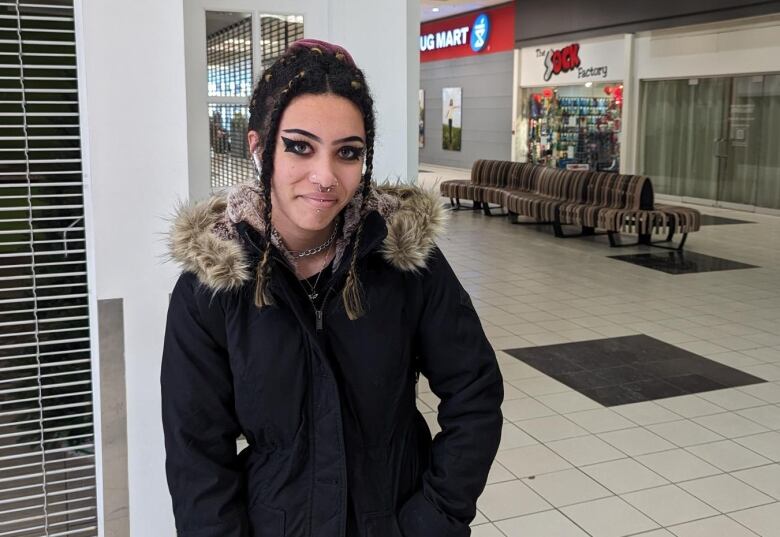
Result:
x=611 y=202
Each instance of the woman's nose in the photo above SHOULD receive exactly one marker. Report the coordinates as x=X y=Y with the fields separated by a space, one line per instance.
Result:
x=324 y=175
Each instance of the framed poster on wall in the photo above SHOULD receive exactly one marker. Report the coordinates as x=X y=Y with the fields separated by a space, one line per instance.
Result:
x=421 y=118
x=451 y=119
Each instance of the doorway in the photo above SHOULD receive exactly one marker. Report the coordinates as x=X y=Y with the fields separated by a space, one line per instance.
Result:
x=713 y=140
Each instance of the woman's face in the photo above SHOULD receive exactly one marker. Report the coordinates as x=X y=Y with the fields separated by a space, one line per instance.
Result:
x=318 y=162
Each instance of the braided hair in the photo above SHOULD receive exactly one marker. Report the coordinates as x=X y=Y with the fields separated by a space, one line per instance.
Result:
x=308 y=67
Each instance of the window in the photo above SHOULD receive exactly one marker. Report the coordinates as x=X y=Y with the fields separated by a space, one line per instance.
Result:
x=47 y=456
x=235 y=59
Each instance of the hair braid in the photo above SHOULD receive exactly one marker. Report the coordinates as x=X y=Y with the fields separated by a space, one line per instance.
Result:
x=263 y=295
x=352 y=295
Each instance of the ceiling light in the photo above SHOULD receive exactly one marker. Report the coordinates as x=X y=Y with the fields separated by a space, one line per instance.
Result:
x=435 y=10
x=588 y=84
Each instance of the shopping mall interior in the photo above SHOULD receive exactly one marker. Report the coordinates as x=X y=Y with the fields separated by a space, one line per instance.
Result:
x=611 y=185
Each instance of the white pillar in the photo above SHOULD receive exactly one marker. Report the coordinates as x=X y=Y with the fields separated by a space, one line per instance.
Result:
x=629 y=128
x=383 y=37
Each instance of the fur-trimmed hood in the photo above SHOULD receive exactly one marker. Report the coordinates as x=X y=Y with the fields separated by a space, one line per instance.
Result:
x=202 y=238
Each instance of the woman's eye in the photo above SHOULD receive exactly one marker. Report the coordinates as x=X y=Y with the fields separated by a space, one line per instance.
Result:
x=350 y=153
x=295 y=146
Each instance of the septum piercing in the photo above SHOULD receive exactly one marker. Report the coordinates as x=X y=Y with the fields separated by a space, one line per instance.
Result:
x=313 y=179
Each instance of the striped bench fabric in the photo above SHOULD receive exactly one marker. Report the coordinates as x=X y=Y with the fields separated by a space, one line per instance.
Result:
x=609 y=201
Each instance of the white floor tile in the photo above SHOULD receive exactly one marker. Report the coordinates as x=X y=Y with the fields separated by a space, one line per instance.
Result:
x=567 y=487
x=584 y=450
x=624 y=475
x=544 y=524
x=510 y=499
x=717 y=526
x=763 y=478
x=499 y=474
x=669 y=505
x=728 y=455
x=767 y=391
x=636 y=441
x=551 y=428
x=518 y=370
x=568 y=402
x=768 y=416
x=731 y=399
x=486 y=530
x=690 y=406
x=510 y=392
x=726 y=493
x=764 y=520
x=600 y=420
x=512 y=437
x=479 y=519
x=766 y=444
x=531 y=460
x=678 y=465
x=609 y=517
x=684 y=433
x=730 y=425
x=525 y=409
x=646 y=413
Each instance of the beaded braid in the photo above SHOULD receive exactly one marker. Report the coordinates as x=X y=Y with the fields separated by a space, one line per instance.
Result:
x=263 y=295
x=339 y=76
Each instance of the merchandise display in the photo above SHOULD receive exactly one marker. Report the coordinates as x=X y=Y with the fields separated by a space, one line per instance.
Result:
x=575 y=131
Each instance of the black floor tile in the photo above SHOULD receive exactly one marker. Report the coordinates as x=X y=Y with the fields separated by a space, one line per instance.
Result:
x=631 y=369
x=712 y=220
x=673 y=262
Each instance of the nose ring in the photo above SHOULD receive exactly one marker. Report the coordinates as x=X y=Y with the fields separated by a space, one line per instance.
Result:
x=320 y=188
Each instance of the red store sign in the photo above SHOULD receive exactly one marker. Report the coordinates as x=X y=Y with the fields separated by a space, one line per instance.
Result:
x=450 y=38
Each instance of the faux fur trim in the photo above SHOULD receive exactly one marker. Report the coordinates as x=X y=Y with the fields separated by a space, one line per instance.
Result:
x=201 y=239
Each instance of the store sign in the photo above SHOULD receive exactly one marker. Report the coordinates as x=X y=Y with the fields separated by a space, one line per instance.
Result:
x=572 y=63
x=471 y=34
x=480 y=33
x=560 y=61
x=458 y=37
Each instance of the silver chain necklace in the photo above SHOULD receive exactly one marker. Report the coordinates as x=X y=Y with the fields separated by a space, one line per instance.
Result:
x=313 y=294
x=305 y=253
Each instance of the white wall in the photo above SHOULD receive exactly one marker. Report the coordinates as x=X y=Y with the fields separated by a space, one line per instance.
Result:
x=144 y=128
x=134 y=96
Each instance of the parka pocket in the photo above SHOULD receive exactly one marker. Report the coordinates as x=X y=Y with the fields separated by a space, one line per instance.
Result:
x=381 y=524
x=266 y=521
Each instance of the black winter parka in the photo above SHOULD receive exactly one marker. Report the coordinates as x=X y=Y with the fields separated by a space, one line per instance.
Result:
x=337 y=447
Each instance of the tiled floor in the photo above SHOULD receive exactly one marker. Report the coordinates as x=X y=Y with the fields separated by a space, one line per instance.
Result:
x=697 y=465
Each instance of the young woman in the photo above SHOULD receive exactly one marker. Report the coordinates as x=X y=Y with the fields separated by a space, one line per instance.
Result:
x=308 y=303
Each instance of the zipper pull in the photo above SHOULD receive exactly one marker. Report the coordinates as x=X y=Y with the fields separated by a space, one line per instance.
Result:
x=318 y=314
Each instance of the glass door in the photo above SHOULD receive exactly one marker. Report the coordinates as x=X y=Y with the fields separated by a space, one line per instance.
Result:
x=739 y=150
x=713 y=140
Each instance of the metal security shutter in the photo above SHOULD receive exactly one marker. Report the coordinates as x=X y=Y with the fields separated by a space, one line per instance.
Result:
x=277 y=33
x=235 y=59
x=229 y=54
x=47 y=457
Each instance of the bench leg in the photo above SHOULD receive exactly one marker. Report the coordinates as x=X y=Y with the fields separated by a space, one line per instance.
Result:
x=486 y=210
x=587 y=231
x=646 y=240
x=475 y=205
x=514 y=218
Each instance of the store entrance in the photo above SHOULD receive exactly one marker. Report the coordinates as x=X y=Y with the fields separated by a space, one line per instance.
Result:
x=713 y=140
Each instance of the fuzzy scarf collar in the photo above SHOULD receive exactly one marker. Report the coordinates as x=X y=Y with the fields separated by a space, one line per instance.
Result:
x=203 y=238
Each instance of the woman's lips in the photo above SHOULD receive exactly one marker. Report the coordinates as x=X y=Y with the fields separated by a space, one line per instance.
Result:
x=320 y=200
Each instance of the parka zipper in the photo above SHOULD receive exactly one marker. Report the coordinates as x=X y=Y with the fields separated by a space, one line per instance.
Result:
x=319 y=316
